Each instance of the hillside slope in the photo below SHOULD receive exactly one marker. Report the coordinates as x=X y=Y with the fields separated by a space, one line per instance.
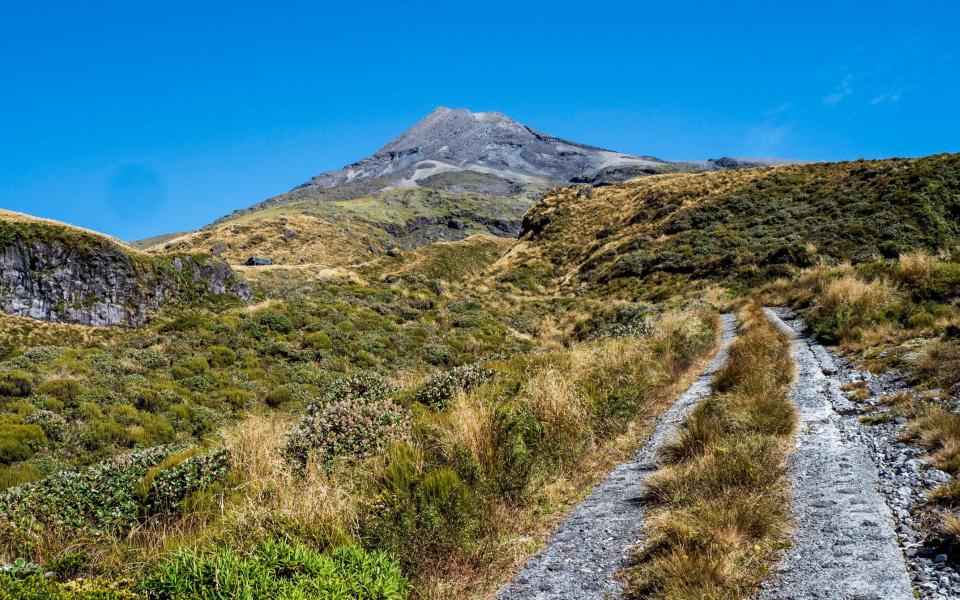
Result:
x=54 y=272
x=669 y=230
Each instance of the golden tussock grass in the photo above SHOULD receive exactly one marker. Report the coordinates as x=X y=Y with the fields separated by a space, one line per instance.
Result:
x=273 y=497
x=852 y=293
x=291 y=239
x=915 y=268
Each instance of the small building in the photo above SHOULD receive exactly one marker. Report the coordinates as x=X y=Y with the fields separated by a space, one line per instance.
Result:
x=257 y=261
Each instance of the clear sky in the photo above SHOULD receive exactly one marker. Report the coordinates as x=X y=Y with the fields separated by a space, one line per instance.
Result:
x=139 y=118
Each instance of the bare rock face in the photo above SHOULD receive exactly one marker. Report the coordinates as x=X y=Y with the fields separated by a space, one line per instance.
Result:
x=53 y=280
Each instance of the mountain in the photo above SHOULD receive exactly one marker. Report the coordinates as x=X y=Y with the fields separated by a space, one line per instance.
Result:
x=500 y=154
x=452 y=174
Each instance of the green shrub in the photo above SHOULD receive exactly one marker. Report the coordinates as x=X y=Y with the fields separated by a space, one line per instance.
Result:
x=277 y=570
x=196 y=365
x=53 y=425
x=19 y=442
x=419 y=512
x=165 y=486
x=69 y=565
x=16 y=383
x=38 y=587
x=193 y=320
x=276 y=322
x=518 y=435
x=278 y=396
x=100 y=498
x=62 y=389
x=437 y=354
x=620 y=321
x=221 y=356
x=318 y=341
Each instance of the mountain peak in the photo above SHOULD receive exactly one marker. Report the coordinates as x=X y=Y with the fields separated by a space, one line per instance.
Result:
x=444 y=125
x=488 y=146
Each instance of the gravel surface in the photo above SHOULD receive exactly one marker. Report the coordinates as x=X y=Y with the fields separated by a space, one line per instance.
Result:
x=845 y=540
x=905 y=477
x=582 y=556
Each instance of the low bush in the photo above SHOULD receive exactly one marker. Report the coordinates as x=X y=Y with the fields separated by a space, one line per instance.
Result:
x=104 y=498
x=60 y=388
x=419 y=512
x=54 y=426
x=221 y=356
x=19 y=442
x=354 y=419
x=166 y=485
x=17 y=384
x=439 y=390
x=276 y=322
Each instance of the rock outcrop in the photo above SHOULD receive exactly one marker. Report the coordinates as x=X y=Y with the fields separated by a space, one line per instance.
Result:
x=56 y=273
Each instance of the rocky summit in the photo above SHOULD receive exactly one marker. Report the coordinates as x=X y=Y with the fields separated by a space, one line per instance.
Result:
x=500 y=150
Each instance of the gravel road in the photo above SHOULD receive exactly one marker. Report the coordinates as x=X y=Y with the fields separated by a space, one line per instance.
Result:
x=583 y=555
x=845 y=543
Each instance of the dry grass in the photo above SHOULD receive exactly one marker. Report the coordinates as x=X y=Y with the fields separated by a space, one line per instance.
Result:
x=916 y=268
x=24 y=332
x=849 y=293
x=938 y=429
x=273 y=498
x=719 y=509
x=263 y=499
x=288 y=240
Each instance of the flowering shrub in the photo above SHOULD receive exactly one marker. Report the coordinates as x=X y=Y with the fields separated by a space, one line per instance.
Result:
x=356 y=418
x=365 y=384
x=147 y=358
x=43 y=354
x=440 y=389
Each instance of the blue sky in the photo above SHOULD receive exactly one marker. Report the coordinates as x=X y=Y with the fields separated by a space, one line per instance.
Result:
x=138 y=118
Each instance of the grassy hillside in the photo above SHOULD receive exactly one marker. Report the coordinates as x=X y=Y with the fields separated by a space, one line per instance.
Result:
x=287 y=238
x=210 y=436
x=655 y=235
x=307 y=227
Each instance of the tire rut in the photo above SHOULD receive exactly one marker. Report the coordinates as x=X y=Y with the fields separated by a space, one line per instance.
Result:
x=844 y=544
x=590 y=546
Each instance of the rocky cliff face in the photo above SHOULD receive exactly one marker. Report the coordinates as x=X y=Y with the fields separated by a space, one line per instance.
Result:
x=56 y=280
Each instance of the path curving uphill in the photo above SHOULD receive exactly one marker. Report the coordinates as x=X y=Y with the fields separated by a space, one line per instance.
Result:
x=583 y=555
x=845 y=546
